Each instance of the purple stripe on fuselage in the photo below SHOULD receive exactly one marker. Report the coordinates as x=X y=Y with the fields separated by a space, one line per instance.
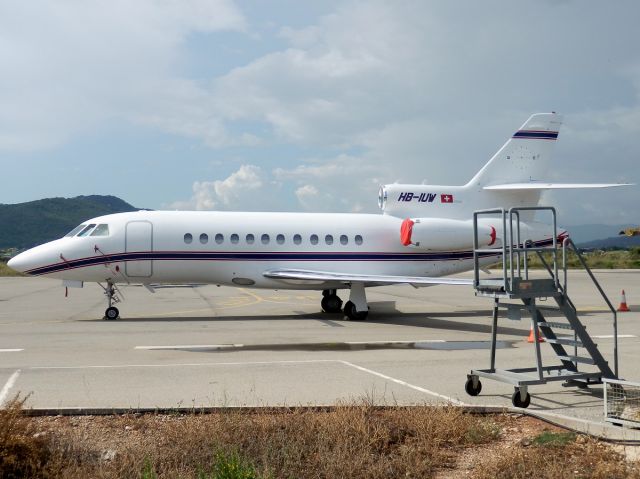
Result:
x=259 y=256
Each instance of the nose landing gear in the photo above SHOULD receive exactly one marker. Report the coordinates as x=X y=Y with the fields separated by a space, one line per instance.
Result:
x=111 y=292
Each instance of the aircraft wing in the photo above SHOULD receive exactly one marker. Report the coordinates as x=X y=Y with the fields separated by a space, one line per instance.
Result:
x=552 y=186
x=302 y=275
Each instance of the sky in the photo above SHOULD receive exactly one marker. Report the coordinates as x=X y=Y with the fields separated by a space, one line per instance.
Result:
x=310 y=106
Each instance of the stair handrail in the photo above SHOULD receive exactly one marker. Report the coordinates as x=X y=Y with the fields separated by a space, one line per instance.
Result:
x=566 y=242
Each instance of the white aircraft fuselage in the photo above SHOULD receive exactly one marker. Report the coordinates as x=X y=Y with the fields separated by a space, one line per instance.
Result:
x=424 y=233
x=237 y=248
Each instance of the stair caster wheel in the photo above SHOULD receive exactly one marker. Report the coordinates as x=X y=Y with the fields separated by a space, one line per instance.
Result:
x=351 y=313
x=471 y=388
x=517 y=401
x=111 y=313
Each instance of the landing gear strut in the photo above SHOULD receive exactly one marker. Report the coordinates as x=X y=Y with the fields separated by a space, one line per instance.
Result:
x=356 y=309
x=111 y=292
x=331 y=303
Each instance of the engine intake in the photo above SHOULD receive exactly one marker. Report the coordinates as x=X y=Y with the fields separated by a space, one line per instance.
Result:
x=441 y=234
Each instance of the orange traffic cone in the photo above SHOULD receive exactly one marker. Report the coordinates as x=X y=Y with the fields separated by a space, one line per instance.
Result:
x=623 y=308
x=532 y=337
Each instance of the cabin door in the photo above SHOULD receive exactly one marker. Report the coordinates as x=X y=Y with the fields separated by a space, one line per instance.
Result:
x=139 y=242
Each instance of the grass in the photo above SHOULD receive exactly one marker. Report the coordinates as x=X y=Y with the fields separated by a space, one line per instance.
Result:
x=598 y=259
x=6 y=271
x=567 y=457
x=355 y=441
x=550 y=439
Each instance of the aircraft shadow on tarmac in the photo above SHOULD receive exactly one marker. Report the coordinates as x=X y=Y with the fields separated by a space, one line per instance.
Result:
x=381 y=312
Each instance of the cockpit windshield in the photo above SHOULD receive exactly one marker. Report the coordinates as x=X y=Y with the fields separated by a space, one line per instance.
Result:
x=74 y=231
x=101 y=230
x=87 y=230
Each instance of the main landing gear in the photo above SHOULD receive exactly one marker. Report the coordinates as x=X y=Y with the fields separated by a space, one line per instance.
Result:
x=111 y=292
x=355 y=309
x=331 y=302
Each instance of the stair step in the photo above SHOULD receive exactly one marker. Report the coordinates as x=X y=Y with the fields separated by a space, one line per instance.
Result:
x=577 y=359
x=551 y=324
x=565 y=342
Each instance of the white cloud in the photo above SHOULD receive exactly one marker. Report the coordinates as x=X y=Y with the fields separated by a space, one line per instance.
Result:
x=239 y=189
x=71 y=66
x=388 y=91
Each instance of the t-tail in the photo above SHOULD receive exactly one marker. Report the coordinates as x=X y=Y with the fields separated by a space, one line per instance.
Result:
x=514 y=177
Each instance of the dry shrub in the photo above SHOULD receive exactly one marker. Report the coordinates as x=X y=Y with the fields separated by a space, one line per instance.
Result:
x=23 y=453
x=347 y=441
x=585 y=459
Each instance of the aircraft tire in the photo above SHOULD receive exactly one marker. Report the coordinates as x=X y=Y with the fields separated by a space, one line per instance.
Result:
x=351 y=313
x=111 y=313
x=331 y=304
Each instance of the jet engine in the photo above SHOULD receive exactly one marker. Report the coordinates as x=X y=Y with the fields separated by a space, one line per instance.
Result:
x=441 y=234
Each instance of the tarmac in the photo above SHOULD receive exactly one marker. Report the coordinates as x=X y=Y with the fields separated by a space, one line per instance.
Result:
x=202 y=346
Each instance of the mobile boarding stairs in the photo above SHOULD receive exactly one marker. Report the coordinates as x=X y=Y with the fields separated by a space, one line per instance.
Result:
x=515 y=283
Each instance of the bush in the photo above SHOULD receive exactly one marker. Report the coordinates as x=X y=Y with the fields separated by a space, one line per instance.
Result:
x=23 y=453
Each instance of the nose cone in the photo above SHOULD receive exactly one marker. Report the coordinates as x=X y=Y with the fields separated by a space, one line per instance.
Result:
x=20 y=263
x=32 y=260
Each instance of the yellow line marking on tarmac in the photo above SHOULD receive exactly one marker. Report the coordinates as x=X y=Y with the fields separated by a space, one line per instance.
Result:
x=171 y=313
x=277 y=299
x=259 y=299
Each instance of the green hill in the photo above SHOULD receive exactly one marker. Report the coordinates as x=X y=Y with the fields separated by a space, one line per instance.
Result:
x=24 y=225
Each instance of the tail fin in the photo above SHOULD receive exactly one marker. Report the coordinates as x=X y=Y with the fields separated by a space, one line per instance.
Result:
x=525 y=156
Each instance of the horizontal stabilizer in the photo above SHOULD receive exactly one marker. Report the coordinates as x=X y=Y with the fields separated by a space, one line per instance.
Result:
x=551 y=186
x=307 y=275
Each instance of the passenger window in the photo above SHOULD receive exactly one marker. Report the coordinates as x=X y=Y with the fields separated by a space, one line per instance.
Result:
x=204 y=238
x=280 y=239
x=313 y=239
x=328 y=239
x=188 y=238
x=265 y=239
x=101 y=230
x=234 y=238
x=250 y=238
x=87 y=230
x=74 y=231
x=343 y=239
x=219 y=238
x=358 y=240
x=297 y=239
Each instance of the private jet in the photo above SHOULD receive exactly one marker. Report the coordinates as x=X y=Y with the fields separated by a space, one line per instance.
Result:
x=423 y=235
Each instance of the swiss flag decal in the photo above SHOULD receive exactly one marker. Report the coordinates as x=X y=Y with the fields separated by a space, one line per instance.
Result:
x=446 y=198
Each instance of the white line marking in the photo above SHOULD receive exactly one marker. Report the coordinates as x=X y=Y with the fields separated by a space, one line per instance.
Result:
x=177 y=365
x=240 y=363
x=404 y=383
x=407 y=341
x=610 y=336
x=8 y=385
x=10 y=350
